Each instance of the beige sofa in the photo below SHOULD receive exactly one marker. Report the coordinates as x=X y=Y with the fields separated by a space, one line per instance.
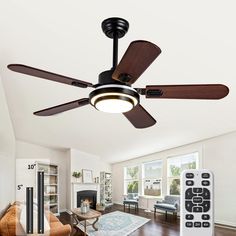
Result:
x=10 y=225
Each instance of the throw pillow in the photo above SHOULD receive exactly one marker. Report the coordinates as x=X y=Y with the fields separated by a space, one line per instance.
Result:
x=35 y=220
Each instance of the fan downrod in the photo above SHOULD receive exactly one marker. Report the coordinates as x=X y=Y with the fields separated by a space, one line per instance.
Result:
x=115 y=28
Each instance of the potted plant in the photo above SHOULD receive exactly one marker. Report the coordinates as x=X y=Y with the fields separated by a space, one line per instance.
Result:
x=100 y=206
x=77 y=175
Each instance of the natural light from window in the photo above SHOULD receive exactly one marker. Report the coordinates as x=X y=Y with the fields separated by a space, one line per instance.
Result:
x=152 y=175
x=175 y=165
x=158 y=177
x=131 y=179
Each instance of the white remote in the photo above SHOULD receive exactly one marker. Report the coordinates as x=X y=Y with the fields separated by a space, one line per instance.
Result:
x=197 y=203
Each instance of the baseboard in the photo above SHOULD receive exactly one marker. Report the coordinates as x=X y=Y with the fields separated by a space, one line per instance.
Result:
x=225 y=224
x=118 y=203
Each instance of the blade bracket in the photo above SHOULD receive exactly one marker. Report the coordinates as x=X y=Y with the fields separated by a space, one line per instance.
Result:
x=154 y=93
x=141 y=91
x=83 y=102
x=77 y=84
x=125 y=78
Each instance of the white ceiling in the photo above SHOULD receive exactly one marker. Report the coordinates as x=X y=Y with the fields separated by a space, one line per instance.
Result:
x=198 y=42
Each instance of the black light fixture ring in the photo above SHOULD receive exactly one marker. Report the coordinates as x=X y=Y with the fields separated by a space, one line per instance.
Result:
x=113 y=90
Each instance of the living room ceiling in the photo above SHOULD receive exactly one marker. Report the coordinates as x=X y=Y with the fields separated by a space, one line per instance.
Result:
x=198 y=46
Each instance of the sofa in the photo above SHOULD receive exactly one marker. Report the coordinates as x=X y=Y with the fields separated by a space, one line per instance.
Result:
x=169 y=204
x=10 y=223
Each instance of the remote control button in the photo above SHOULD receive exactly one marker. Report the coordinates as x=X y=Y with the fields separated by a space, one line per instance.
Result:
x=206 y=206
x=197 y=224
x=205 y=217
x=189 y=224
x=189 y=206
x=206 y=194
x=197 y=200
x=197 y=190
x=189 y=175
x=189 y=217
x=189 y=183
x=197 y=209
x=206 y=224
x=189 y=193
x=205 y=182
x=205 y=175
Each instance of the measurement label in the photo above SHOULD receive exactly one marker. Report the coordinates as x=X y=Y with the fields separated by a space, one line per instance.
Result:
x=19 y=186
x=31 y=167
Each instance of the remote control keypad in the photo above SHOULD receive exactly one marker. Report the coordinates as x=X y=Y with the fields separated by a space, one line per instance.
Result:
x=189 y=194
x=197 y=201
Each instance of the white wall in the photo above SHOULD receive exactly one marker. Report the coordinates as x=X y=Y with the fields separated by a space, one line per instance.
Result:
x=29 y=151
x=217 y=154
x=81 y=160
x=7 y=153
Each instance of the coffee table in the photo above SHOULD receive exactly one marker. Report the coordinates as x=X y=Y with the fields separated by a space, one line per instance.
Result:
x=83 y=217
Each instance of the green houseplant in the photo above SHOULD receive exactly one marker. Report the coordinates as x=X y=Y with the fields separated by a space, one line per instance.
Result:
x=77 y=175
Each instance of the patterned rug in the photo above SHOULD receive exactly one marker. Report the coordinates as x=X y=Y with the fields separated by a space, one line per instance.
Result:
x=116 y=223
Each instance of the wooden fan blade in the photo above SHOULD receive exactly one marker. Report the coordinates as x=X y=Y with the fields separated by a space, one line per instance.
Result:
x=48 y=75
x=63 y=107
x=137 y=58
x=139 y=117
x=198 y=91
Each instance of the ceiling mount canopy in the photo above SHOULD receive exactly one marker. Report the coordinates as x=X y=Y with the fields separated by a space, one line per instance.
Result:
x=113 y=92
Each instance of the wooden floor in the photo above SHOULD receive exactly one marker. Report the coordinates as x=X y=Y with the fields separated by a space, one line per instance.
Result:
x=155 y=227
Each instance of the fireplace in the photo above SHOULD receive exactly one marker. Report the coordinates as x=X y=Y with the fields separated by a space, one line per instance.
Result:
x=87 y=195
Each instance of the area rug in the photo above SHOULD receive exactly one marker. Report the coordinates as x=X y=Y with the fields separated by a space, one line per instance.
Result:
x=116 y=223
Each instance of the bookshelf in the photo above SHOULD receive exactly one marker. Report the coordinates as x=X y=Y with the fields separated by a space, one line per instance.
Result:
x=106 y=188
x=51 y=185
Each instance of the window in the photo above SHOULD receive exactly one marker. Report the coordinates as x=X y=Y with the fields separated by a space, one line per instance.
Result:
x=131 y=177
x=152 y=173
x=175 y=165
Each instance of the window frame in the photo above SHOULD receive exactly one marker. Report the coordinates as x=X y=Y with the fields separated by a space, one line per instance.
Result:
x=152 y=179
x=169 y=178
x=128 y=180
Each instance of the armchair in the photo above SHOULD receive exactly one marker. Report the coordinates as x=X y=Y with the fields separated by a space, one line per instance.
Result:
x=131 y=199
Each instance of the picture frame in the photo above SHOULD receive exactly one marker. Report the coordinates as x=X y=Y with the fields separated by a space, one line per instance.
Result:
x=87 y=176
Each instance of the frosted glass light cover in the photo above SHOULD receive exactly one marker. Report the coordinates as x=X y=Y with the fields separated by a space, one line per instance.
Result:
x=114 y=105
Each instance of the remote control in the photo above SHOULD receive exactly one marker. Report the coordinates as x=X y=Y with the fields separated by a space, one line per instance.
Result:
x=197 y=203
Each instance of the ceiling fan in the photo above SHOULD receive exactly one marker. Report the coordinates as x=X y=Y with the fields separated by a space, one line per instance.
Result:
x=113 y=92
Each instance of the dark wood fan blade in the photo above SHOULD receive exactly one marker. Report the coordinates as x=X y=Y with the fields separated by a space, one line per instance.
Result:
x=137 y=58
x=48 y=75
x=198 y=91
x=63 y=107
x=139 y=117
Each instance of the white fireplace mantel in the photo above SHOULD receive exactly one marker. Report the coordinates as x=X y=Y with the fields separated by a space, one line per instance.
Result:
x=81 y=187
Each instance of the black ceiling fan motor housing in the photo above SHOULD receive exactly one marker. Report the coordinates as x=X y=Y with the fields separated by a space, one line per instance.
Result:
x=105 y=77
